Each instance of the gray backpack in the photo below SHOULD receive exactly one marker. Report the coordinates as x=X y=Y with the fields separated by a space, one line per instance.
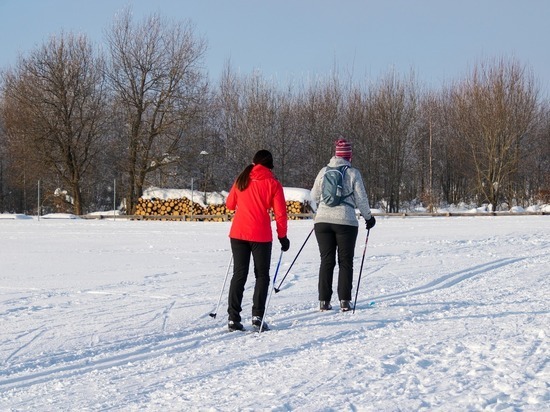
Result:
x=332 y=188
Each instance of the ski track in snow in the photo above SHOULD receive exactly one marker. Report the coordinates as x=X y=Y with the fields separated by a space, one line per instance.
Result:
x=117 y=319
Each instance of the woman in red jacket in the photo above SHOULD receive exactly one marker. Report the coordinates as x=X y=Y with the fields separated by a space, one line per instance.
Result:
x=255 y=192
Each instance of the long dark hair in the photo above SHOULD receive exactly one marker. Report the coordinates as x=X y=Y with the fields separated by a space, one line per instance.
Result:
x=262 y=157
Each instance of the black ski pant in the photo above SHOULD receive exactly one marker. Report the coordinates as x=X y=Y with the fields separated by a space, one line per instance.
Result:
x=261 y=254
x=336 y=240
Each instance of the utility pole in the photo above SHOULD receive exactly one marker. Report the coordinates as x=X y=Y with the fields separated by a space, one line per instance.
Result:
x=431 y=206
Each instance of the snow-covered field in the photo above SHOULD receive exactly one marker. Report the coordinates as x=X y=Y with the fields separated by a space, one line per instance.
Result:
x=114 y=315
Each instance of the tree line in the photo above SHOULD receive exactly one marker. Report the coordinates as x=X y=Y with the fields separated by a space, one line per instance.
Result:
x=96 y=126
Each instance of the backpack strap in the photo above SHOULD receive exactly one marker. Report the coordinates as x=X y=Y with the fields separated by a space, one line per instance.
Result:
x=344 y=169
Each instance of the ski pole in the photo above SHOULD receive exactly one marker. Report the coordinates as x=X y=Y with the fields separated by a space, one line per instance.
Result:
x=213 y=314
x=361 y=270
x=290 y=267
x=271 y=291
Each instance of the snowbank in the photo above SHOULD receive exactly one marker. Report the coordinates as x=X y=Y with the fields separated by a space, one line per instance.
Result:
x=13 y=216
x=216 y=198
x=59 y=216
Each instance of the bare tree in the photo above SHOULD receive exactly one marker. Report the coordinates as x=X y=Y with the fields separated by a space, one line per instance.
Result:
x=155 y=74
x=532 y=183
x=231 y=113
x=53 y=109
x=358 y=128
x=286 y=140
x=393 y=111
x=495 y=109
x=320 y=124
x=252 y=114
x=452 y=160
x=424 y=153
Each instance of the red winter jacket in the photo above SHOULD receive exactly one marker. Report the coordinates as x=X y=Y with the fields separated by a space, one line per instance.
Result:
x=252 y=220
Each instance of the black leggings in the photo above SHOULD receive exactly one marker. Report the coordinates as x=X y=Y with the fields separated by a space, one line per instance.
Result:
x=333 y=239
x=261 y=254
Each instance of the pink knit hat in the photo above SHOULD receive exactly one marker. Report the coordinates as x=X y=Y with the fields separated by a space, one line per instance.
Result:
x=343 y=149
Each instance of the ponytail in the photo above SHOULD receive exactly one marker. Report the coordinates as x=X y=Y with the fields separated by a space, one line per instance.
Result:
x=243 y=180
x=262 y=157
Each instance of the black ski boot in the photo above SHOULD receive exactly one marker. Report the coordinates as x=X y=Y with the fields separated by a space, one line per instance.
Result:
x=345 y=305
x=324 y=305
x=257 y=323
x=234 y=325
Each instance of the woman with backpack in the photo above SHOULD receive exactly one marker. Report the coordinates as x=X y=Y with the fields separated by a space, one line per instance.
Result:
x=338 y=190
x=255 y=192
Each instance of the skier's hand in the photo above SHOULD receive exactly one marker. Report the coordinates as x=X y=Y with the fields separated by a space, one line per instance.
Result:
x=370 y=223
x=285 y=243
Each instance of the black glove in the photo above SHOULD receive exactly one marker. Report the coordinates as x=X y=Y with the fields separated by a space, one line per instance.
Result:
x=371 y=222
x=285 y=243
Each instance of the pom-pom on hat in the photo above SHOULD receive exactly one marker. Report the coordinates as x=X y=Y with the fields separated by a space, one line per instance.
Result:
x=343 y=149
x=263 y=157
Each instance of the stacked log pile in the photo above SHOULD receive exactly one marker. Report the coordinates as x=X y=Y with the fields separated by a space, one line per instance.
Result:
x=180 y=207
x=192 y=211
x=295 y=209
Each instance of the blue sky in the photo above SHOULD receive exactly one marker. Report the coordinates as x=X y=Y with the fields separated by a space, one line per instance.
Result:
x=297 y=39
